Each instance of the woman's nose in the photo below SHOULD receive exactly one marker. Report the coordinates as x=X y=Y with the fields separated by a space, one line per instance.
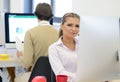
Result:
x=74 y=28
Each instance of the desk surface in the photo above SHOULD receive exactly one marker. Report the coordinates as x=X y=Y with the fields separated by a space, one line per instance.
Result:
x=12 y=61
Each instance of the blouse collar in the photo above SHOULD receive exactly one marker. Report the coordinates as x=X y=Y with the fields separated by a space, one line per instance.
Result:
x=59 y=42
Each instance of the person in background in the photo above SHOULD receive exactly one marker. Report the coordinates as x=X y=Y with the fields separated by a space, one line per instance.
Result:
x=63 y=53
x=37 y=40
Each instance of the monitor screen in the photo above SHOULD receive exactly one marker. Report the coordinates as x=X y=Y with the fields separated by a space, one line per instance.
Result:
x=16 y=24
x=99 y=43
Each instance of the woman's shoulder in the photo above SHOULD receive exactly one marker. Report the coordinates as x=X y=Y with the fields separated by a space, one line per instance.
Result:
x=55 y=44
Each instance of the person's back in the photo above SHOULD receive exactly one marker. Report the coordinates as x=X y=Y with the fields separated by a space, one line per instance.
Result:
x=37 y=42
x=37 y=39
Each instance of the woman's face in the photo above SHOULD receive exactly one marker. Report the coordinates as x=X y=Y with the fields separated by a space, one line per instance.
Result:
x=70 y=27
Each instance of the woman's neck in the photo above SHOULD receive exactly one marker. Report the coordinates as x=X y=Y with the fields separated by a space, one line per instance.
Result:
x=69 y=42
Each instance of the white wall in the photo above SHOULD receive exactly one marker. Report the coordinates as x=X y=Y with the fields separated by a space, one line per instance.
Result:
x=2 y=29
x=16 y=6
x=1 y=5
x=97 y=7
x=4 y=7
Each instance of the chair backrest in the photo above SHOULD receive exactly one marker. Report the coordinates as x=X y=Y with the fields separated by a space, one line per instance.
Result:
x=42 y=68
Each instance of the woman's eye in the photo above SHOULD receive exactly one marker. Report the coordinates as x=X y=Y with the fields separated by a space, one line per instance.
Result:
x=77 y=26
x=69 y=24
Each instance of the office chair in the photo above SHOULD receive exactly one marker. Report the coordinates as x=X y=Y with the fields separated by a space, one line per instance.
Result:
x=43 y=68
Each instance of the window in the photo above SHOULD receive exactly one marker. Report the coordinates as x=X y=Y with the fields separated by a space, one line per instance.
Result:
x=61 y=7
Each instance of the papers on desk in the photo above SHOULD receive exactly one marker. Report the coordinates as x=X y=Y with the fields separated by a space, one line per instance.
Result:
x=18 y=44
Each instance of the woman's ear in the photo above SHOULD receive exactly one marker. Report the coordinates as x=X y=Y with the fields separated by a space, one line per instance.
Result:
x=61 y=26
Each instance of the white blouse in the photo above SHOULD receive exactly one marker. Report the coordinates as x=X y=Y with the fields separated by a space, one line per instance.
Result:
x=62 y=59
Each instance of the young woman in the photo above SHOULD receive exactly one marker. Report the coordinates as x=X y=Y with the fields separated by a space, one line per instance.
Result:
x=63 y=53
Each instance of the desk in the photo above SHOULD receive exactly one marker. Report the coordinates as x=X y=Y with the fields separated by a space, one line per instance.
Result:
x=11 y=62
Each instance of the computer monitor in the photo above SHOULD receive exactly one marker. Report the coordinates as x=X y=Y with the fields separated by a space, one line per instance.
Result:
x=99 y=43
x=16 y=24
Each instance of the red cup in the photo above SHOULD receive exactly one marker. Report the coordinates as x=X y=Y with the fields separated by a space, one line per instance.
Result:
x=61 y=78
x=39 y=79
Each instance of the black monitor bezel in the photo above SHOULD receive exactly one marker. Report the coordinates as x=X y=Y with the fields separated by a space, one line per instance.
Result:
x=7 y=38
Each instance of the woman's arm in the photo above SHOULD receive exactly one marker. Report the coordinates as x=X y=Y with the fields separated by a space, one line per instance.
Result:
x=56 y=63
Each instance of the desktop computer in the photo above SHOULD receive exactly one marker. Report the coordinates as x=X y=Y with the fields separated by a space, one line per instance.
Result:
x=99 y=44
x=16 y=24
